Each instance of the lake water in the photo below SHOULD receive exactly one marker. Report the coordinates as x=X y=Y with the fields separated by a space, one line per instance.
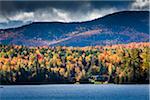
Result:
x=75 y=92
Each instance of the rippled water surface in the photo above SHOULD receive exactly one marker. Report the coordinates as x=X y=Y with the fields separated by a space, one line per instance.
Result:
x=75 y=92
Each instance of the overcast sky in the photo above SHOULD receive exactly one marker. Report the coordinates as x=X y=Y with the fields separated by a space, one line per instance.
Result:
x=64 y=11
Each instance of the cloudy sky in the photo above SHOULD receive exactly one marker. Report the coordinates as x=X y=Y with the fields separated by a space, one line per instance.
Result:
x=24 y=11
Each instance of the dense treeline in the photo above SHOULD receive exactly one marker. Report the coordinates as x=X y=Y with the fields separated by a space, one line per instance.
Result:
x=110 y=64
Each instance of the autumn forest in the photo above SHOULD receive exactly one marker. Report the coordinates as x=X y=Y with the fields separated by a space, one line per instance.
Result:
x=117 y=64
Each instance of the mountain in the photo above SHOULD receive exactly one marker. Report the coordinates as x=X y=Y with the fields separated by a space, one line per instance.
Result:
x=116 y=28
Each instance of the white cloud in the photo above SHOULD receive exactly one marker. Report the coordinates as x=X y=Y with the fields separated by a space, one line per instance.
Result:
x=22 y=16
x=53 y=14
x=3 y=20
x=140 y=5
x=60 y=15
x=86 y=12
x=96 y=13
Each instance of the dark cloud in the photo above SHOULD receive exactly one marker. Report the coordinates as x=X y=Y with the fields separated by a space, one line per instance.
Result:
x=65 y=11
x=13 y=6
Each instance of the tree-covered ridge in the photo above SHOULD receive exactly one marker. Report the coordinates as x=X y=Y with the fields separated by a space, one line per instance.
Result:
x=111 y=29
x=126 y=63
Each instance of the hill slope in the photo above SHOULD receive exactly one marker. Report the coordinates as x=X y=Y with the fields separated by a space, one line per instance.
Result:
x=121 y=27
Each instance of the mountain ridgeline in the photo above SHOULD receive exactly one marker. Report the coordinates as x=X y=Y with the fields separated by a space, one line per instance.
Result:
x=117 y=28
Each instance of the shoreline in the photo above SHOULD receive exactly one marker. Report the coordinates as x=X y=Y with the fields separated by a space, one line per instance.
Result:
x=72 y=84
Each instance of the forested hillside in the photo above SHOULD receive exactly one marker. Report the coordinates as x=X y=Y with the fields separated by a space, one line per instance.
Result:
x=128 y=63
x=117 y=28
